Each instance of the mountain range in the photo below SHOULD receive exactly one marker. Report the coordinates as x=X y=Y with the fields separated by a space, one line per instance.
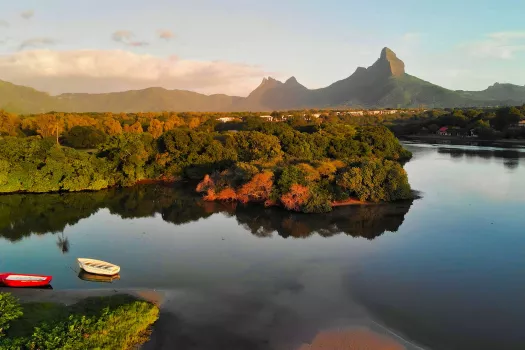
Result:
x=384 y=84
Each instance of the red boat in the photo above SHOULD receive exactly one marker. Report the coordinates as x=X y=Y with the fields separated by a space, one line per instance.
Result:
x=17 y=280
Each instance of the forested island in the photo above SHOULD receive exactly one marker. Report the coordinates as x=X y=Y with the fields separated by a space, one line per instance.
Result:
x=305 y=165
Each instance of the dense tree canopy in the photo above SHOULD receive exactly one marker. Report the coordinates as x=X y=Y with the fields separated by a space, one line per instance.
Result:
x=84 y=137
x=299 y=164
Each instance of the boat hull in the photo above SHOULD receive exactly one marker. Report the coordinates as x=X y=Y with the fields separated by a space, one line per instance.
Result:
x=98 y=267
x=15 y=280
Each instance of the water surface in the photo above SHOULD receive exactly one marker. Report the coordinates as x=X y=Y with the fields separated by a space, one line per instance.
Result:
x=446 y=270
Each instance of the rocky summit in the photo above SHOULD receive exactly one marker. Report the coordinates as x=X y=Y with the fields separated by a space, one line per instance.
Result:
x=384 y=84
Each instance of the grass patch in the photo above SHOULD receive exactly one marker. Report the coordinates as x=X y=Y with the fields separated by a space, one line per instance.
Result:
x=116 y=322
x=34 y=314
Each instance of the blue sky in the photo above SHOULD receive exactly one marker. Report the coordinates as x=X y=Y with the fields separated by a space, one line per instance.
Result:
x=229 y=45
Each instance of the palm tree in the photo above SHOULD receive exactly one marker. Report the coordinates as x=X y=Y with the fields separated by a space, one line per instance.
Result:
x=63 y=243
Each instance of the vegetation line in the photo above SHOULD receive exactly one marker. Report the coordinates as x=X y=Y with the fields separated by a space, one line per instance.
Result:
x=301 y=164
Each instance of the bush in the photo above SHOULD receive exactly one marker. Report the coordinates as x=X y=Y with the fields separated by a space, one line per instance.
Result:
x=10 y=310
x=122 y=323
x=375 y=180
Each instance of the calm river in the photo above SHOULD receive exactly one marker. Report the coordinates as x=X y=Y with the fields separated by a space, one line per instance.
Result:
x=446 y=271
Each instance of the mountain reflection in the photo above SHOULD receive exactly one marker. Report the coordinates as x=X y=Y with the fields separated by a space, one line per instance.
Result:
x=22 y=215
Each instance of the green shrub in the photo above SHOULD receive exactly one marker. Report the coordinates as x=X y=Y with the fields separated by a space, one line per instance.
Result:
x=122 y=323
x=10 y=310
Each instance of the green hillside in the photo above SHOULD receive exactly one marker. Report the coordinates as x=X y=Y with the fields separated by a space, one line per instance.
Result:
x=384 y=84
x=21 y=99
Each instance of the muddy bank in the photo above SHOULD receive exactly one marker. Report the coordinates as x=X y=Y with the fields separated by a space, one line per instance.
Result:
x=231 y=320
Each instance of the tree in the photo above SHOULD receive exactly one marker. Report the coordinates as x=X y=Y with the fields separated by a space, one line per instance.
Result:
x=130 y=157
x=290 y=176
x=9 y=124
x=383 y=143
x=193 y=123
x=296 y=197
x=84 y=137
x=111 y=126
x=155 y=128
x=173 y=122
x=135 y=128
x=258 y=189
x=375 y=180
x=506 y=117
x=433 y=128
x=256 y=146
x=47 y=125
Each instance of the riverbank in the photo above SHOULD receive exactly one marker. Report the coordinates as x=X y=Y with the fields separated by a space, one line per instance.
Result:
x=461 y=140
x=48 y=320
x=229 y=320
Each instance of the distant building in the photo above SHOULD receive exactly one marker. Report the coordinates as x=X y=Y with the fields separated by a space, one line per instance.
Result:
x=225 y=119
x=267 y=117
x=316 y=115
x=373 y=112
x=521 y=124
x=443 y=131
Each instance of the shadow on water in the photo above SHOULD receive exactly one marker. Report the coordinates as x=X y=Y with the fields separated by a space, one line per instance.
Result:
x=22 y=215
x=511 y=158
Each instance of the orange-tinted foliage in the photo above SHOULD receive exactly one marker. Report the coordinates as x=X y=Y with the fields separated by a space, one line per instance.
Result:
x=135 y=128
x=155 y=128
x=210 y=195
x=206 y=184
x=296 y=198
x=258 y=189
x=227 y=195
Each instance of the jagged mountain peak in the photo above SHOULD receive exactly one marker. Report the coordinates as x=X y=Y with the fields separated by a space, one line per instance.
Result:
x=291 y=80
x=384 y=84
x=389 y=64
x=269 y=80
x=387 y=54
x=292 y=83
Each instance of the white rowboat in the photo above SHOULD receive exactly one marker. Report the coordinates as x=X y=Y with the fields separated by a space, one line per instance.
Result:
x=98 y=267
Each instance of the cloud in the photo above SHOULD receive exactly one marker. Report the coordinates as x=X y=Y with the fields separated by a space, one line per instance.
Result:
x=126 y=37
x=27 y=14
x=35 y=42
x=166 y=34
x=507 y=35
x=117 y=70
x=4 y=23
x=501 y=45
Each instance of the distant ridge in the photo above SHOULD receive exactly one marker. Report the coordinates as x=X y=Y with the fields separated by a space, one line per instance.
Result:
x=384 y=84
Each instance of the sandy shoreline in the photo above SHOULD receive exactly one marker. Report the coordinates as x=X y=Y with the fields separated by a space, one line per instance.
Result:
x=192 y=320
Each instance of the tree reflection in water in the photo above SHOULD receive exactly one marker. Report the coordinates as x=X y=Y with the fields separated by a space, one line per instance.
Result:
x=63 y=243
x=22 y=215
x=511 y=157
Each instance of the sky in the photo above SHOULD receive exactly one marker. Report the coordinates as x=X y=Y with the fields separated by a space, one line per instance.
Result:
x=228 y=46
